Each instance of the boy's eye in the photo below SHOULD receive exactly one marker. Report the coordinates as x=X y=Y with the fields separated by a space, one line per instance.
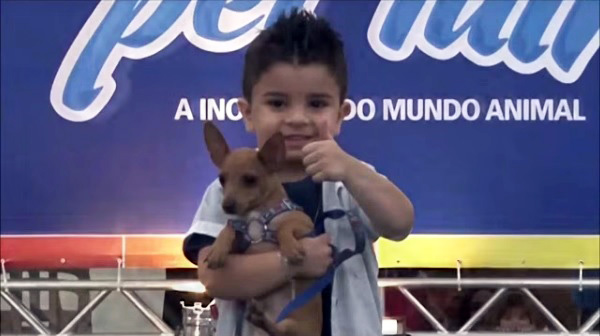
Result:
x=318 y=104
x=249 y=180
x=222 y=180
x=276 y=103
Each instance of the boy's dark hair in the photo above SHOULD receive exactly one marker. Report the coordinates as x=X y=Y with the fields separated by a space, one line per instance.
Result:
x=298 y=38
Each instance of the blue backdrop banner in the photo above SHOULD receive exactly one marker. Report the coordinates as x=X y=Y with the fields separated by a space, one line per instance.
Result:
x=484 y=113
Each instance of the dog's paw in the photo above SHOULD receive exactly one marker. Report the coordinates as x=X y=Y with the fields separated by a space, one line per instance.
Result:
x=256 y=315
x=293 y=252
x=215 y=258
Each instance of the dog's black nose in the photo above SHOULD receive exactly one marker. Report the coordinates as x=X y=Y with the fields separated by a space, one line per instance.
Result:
x=229 y=206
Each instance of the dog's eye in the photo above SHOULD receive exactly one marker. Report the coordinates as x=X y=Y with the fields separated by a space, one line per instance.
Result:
x=249 y=180
x=222 y=180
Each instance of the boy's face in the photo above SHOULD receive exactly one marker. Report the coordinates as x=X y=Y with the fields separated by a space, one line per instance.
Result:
x=516 y=319
x=300 y=101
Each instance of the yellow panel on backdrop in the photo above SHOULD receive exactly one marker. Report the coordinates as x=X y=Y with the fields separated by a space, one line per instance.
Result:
x=490 y=251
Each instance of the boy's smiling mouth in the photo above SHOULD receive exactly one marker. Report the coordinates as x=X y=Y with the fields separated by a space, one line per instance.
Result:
x=297 y=140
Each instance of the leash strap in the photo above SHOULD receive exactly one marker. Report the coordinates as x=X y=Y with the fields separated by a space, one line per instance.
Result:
x=338 y=258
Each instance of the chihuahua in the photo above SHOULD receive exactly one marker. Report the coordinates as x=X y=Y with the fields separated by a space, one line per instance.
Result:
x=251 y=188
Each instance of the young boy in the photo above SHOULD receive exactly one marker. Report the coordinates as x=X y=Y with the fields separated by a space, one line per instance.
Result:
x=295 y=82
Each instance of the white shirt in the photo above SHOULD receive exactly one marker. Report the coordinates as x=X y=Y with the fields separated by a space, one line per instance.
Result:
x=355 y=303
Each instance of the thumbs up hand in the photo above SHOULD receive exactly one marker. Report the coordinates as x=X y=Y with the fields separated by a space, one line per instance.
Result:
x=324 y=160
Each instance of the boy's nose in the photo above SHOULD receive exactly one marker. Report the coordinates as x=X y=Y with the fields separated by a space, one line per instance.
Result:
x=229 y=206
x=297 y=115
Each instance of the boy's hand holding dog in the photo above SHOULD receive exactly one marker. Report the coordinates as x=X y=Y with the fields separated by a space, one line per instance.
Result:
x=317 y=258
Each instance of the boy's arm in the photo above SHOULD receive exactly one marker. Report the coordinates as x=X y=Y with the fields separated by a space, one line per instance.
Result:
x=246 y=276
x=243 y=276
x=391 y=213
x=222 y=283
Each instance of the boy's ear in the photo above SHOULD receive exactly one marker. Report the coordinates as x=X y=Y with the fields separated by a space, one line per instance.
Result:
x=272 y=153
x=345 y=110
x=244 y=107
x=215 y=143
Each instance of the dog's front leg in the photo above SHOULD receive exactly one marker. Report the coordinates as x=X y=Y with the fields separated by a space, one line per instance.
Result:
x=221 y=248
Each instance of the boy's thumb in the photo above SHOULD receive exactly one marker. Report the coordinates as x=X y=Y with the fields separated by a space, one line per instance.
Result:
x=325 y=237
x=324 y=132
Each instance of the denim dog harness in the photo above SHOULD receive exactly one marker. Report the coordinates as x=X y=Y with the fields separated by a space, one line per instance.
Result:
x=256 y=229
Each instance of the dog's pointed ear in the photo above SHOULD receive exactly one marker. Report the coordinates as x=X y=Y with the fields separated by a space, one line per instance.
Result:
x=215 y=143
x=272 y=153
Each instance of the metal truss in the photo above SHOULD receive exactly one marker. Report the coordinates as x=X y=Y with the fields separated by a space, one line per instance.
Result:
x=502 y=285
x=128 y=288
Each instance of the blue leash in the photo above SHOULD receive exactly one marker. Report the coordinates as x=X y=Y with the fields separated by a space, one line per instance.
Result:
x=338 y=258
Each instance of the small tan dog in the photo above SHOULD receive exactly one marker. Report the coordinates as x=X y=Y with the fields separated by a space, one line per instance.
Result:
x=251 y=188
